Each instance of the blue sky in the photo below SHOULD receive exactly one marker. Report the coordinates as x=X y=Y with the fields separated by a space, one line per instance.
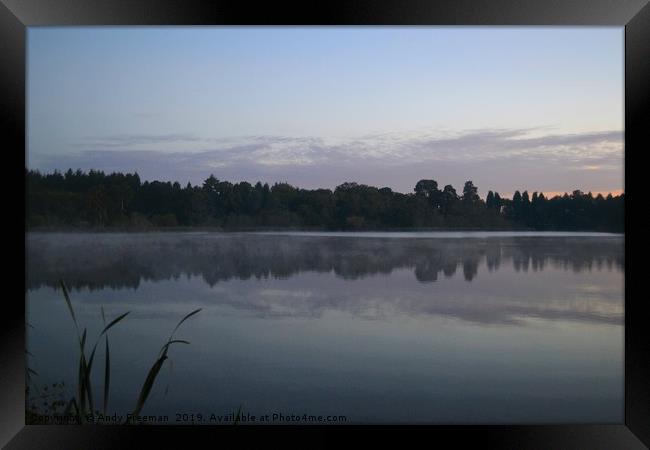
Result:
x=536 y=108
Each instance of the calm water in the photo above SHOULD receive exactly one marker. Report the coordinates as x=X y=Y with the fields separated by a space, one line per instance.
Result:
x=379 y=327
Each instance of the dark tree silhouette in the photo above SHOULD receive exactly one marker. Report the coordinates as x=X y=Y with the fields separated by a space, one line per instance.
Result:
x=94 y=199
x=449 y=199
x=470 y=193
x=429 y=190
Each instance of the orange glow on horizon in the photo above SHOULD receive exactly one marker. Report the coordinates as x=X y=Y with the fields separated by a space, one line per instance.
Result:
x=551 y=194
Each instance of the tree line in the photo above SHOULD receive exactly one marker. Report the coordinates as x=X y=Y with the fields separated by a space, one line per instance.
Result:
x=95 y=199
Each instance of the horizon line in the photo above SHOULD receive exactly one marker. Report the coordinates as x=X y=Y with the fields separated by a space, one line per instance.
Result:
x=547 y=193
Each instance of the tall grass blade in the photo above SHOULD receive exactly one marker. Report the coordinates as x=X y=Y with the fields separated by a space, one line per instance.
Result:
x=113 y=322
x=171 y=371
x=81 y=390
x=84 y=397
x=148 y=384
x=155 y=369
x=69 y=303
x=85 y=393
x=83 y=340
x=89 y=364
x=175 y=341
x=183 y=320
x=92 y=354
x=89 y=390
x=107 y=366
x=90 y=361
x=107 y=375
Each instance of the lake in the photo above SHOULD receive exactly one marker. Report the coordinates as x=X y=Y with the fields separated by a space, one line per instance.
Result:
x=435 y=327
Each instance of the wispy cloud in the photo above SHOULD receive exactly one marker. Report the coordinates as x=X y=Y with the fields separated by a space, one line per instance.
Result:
x=125 y=141
x=314 y=161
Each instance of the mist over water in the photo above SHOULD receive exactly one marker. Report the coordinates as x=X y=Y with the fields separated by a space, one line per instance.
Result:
x=381 y=327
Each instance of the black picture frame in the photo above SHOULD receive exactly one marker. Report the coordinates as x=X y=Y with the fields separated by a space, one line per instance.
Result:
x=634 y=15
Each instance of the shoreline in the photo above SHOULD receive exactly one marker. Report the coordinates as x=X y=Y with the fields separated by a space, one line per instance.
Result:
x=46 y=230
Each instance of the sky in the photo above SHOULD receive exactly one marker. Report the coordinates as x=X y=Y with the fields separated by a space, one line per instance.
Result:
x=510 y=108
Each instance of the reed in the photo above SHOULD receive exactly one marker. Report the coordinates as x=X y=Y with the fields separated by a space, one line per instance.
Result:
x=157 y=365
x=82 y=404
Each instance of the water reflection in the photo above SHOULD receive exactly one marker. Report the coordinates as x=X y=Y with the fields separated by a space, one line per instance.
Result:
x=478 y=280
x=98 y=261
x=415 y=329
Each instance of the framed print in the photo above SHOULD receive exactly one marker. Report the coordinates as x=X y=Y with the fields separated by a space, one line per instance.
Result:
x=403 y=217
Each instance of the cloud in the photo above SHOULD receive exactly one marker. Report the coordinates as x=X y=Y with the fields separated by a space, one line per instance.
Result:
x=318 y=162
x=125 y=141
